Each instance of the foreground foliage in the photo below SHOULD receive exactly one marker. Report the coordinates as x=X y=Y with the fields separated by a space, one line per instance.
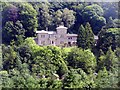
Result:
x=53 y=67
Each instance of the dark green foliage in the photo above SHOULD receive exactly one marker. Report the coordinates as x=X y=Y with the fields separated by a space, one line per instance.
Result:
x=97 y=23
x=9 y=56
x=9 y=13
x=39 y=71
x=18 y=16
x=13 y=32
x=111 y=9
x=48 y=60
x=107 y=79
x=28 y=17
x=94 y=15
x=77 y=78
x=85 y=37
x=90 y=36
x=117 y=53
x=81 y=39
x=44 y=18
x=24 y=64
x=25 y=53
x=117 y=23
x=78 y=58
x=66 y=16
x=57 y=84
x=23 y=79
x=102 y=79
x=0 y=57
x=109 y=38
x=109 y=60
x=110 y=23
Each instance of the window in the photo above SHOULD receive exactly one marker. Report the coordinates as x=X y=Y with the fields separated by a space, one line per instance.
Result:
x=70 y=38
x=52 y=42
x=42 y=36
x=69 y=43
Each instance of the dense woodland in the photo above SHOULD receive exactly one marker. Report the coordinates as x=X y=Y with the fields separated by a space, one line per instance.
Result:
x=88 y=65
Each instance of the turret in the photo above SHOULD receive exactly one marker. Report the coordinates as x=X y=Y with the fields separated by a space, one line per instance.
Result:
x=61 y=29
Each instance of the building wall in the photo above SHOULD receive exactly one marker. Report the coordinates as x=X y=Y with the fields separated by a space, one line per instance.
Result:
x=72 y=40
x=43 y=39
x=59 y=38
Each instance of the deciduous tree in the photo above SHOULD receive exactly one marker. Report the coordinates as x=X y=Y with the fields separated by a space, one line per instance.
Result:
x=78 y=58
x=13 y=31
x=28 y=18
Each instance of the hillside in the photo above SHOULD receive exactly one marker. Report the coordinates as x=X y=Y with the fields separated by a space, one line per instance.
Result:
x=89 y=64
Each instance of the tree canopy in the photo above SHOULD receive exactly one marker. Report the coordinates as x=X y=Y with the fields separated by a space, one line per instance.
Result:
x=90 y=64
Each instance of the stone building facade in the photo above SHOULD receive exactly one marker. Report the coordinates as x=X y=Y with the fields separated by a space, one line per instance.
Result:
x=60 y=37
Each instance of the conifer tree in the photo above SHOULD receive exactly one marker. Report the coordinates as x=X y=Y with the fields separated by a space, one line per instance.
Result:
x=85 y=37
x=111 y=60
x=89 y=36
x=81 y=39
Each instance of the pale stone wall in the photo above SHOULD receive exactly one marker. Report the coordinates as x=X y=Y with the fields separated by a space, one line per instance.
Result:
x=59 y=38
x=61 y=35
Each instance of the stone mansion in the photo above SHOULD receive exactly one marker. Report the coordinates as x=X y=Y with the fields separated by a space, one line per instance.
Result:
x=60 y=37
